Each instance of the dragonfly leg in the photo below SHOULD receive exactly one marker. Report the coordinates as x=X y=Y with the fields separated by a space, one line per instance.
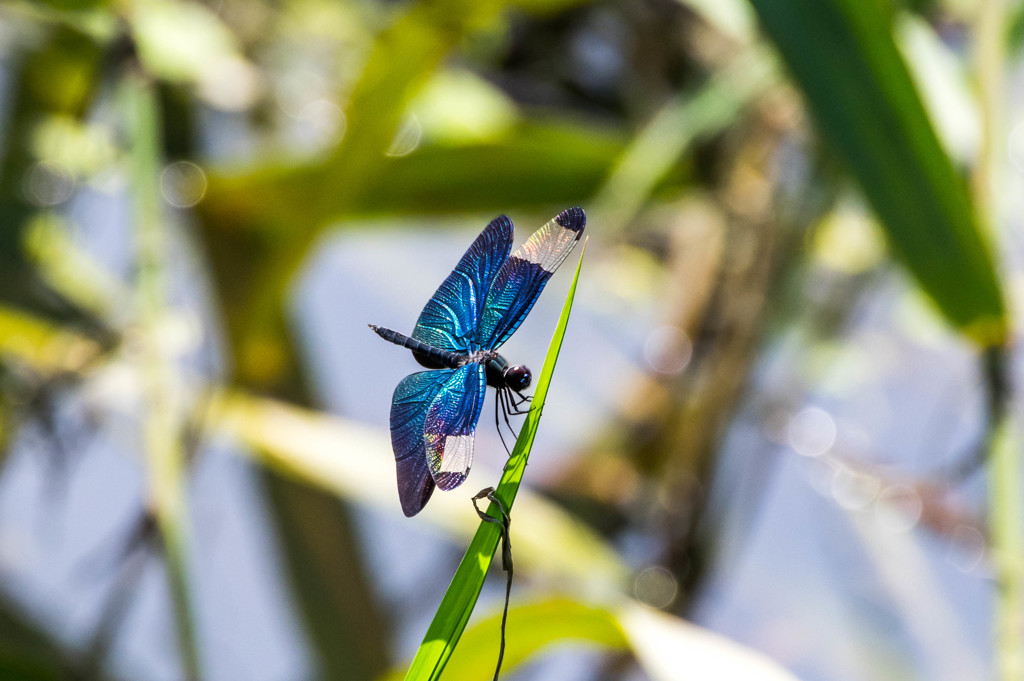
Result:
x=516 y=404
x=506 y=557
x=498 y=404
x=507 y=409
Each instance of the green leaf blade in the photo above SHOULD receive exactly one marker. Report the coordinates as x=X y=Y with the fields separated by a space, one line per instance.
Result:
x=844 y=58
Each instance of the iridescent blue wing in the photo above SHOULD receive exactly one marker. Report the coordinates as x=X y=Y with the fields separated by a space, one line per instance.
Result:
x=451 y=424
x=523 y=276
x=450 y=318
x=409 y=407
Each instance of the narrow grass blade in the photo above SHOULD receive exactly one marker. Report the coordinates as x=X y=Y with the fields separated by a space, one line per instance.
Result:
x=162 y=428
x=460 y=598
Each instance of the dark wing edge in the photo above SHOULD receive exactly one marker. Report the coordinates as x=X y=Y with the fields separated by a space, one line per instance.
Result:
x=450 y=426
x=450 y=318
x=519 y=282
x=409 y=406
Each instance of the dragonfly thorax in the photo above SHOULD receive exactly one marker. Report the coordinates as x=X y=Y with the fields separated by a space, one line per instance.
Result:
x=500 y=374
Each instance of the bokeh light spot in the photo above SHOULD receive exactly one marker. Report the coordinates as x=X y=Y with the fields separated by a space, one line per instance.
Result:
x=656 y=587
x=183 y=184
x=407 y=138
x=48 y=184
x=811 y=431
x=668 y=350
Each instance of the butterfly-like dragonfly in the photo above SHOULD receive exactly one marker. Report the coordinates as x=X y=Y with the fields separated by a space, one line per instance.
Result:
x=457 y=336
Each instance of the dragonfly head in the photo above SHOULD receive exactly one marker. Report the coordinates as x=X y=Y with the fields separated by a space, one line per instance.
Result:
x=518 y=377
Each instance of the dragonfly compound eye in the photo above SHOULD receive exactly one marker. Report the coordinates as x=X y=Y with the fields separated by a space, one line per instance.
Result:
x=518 y=377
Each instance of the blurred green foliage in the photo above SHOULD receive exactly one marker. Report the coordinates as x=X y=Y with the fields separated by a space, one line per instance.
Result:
x=866 y=104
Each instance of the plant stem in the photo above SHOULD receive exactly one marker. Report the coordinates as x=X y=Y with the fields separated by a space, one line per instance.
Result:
x=1007 y=551
x=1005 y=521
x=162 y=427
x=989 y=57
x=1005 y=490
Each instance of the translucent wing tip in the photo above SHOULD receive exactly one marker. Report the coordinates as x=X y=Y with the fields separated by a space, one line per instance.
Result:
x=449 y=457
x=572 y=218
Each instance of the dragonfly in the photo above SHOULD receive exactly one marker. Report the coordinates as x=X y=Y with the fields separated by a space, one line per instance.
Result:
x=476 y=309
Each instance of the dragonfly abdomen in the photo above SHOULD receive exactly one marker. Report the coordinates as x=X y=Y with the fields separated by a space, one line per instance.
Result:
x=427 y=355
